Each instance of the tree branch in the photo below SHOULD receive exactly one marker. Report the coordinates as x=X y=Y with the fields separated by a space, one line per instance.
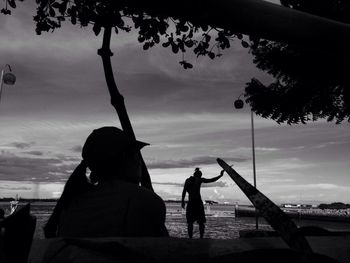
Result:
x=117 y=100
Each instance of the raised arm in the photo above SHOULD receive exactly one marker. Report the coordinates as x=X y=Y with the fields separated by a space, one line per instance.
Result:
x=184 y=195
x=211 y=180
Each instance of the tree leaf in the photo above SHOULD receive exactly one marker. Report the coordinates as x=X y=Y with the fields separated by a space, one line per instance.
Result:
x=185 y=64
x=12 y=3
x=244 y=44
x=211 y=55
x=6 y=11
x=52 y=12
x=97 y=29
x=56 y=5
x=174 y=48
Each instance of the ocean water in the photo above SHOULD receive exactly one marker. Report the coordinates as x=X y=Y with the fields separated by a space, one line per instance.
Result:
x=221 y=221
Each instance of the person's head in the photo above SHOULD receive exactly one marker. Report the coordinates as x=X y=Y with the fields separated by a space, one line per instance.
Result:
x=109 y=152
x=197 y=173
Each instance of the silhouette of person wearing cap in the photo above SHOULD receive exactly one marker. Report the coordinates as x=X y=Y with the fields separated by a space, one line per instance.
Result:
x=110 y=202
x=195 y=208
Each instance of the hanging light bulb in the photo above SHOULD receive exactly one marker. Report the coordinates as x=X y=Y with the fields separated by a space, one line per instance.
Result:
x=9 y=78
x=238 y=103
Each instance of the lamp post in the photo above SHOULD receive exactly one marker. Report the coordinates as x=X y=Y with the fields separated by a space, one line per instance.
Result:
x=239 y=105
x=8 y=78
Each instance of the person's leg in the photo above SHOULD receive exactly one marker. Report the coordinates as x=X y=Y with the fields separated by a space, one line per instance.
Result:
x=190 y=229
x=201 y=229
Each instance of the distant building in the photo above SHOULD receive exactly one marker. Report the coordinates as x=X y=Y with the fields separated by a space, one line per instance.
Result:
x=210 y=202
x=306 y=206
x=291 y=205
x=296 y=206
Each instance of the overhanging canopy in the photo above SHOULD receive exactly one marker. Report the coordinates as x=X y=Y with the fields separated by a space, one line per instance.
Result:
x=256 y=17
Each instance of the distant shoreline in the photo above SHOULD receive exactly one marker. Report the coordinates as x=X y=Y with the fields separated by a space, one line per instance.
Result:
x=332 y=205
x=332 y=215
x=305 y=213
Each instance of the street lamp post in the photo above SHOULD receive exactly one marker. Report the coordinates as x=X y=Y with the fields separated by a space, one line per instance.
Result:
x=8 y=78
x=239 y=105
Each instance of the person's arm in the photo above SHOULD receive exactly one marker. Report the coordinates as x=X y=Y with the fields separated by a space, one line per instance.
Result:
x=211 y=180
x=163 y=231
x=184 y=195
x=77 y=182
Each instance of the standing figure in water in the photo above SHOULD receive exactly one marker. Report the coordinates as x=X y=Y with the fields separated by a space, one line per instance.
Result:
x=195 y=208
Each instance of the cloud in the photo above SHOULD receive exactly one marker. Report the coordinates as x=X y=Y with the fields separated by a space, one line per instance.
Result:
x=331 y=143
x=77 y=148
x=215 y=184
x=324 y=186
x=169 y=183
x=56 y=194
x=37 y=153
x=265 y=149
x=194 y=162
x=23 y=188
x=21 y=145
x=17 y=168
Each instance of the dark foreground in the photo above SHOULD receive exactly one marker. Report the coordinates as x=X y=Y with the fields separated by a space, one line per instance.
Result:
x=221 y=243
x=272 y=249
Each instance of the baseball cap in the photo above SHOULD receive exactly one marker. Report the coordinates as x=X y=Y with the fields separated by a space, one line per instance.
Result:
x=109 y=141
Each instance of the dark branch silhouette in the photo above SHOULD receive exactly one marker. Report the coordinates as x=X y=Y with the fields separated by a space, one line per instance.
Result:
x=309 y=84
x=117 y=100
x=308 y=59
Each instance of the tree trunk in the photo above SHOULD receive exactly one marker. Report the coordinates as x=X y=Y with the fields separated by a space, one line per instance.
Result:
x=117 y=100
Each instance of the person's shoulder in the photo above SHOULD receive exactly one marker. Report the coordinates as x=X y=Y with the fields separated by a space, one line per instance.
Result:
x=189 y=179
x=136 y=194
x=147 y=194
x=147 y=201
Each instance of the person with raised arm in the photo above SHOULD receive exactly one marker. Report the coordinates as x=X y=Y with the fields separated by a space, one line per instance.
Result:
x=195 y=209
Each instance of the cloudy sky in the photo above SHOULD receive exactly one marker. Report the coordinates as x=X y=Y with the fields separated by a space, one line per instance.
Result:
x=186 y=115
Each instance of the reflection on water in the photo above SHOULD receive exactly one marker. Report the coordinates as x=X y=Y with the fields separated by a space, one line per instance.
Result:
x=221 y=222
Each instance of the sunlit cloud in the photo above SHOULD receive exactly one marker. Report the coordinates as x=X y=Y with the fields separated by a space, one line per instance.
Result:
x=168 y=183
x=214 y=184
x=197 y=161
x=331 y=143
x=15 y=188
x=19 y=168
x=28 y=189
x=329 y=186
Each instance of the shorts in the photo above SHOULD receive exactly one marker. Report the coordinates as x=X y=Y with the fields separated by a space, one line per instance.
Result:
x=195 y=212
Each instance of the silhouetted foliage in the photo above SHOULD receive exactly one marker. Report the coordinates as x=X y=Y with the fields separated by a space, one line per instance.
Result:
x=171 y=32
x=309 y=84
